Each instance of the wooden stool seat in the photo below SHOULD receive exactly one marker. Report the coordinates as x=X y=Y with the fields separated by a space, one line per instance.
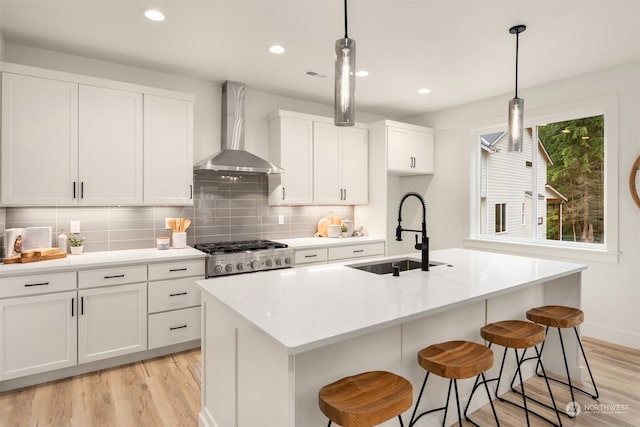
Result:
x=365 y=399
x=556 y=316
x=456 y=359
x=513 y=333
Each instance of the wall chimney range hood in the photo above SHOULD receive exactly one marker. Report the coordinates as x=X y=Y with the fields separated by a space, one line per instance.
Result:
x=233 y=156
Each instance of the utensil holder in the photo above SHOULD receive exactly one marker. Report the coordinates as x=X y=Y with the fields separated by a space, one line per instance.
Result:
x=179 y=240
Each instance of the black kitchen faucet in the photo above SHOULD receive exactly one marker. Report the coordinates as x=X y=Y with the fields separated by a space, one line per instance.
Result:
x=424 y=245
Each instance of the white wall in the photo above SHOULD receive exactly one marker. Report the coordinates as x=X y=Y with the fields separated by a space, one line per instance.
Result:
x=611 y=291
x=208 y=96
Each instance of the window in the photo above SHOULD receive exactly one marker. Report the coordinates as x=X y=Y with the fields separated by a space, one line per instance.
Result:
x=567 y=191
x=501 y=217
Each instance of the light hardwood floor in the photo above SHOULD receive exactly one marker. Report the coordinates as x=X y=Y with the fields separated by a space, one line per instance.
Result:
x=166 y=392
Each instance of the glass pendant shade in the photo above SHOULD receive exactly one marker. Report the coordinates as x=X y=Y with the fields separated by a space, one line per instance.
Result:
x=345 y=82
x=516 y=124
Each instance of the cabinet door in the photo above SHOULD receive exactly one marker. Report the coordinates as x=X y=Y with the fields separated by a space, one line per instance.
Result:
x=112 y=321
x=168 y=151
x=355 y=166
x=423 y=153
x=39 y=141
x=110 y=147
x=38 y=334
x=409 y=151
x=291 y=146
x=327 y=161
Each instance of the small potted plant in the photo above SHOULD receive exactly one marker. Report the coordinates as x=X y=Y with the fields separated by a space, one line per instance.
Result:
x=75 y=243
x=343 y=230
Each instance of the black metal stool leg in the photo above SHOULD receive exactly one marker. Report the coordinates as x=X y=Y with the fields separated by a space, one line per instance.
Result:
x=519 y=361
x=477 y=384
x=446 y=405
x=553 y=401
x=400 y=419
x=329 y=425
x=415 y=408
x=455 y=385
x=586 y=362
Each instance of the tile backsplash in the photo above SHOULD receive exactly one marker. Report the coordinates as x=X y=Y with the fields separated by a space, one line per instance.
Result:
x=227 y=206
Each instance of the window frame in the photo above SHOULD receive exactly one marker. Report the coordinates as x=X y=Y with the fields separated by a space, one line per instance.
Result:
x=604 y=252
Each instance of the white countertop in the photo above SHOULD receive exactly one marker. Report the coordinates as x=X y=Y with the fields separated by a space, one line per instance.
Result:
x=100 y=259
x=309 y=307
x=325 y=242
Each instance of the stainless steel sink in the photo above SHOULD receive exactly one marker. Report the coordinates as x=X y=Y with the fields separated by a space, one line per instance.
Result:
x=386 y=267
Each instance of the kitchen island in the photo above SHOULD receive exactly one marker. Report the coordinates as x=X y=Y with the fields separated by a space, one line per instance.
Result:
x=271 y=340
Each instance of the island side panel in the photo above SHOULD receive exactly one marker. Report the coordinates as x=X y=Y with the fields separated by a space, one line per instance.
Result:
x=375 y=351
x=247 y=379
x=218 y=364
x=565 y=291
x=459 y=323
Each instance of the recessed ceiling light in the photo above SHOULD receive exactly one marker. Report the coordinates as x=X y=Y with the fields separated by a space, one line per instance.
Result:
x=423 y=91
x=154 y=15
x=276 y=49
x=585 y=137
x=566 y=131
x=362 y=73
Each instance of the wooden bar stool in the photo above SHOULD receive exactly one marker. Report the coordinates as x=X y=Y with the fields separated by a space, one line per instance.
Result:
x=517 y=334
x=454 y=360
x=366 y=399
x=561 y=317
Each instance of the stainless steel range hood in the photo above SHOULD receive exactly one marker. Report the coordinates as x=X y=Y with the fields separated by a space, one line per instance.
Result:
x=233 y=157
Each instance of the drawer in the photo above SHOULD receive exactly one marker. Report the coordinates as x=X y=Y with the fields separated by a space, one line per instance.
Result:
x=37 y=284
x=173 y=327
x=172 y=270
x=307 y=256
x=173 y=294
x=356 y=251
x=112 y=276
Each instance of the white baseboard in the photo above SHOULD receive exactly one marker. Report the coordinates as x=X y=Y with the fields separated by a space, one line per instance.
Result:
x=612 y=335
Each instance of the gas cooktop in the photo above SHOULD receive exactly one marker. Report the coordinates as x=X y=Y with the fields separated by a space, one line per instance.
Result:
x=245 y=256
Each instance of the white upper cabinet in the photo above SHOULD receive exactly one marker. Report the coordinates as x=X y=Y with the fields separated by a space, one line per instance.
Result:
x=39 y=141
x=291 y=147
x=340 y=164
x=168 y=151
x=409 y=149
x=110 y=149
x=75 y=140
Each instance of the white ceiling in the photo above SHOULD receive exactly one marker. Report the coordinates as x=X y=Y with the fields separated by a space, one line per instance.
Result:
x=461 y=50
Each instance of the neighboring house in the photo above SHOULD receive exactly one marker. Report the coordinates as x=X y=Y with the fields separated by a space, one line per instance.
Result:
x=506 y=196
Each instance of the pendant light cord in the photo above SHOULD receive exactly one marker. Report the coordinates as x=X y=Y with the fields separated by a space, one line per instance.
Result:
x=346 y=35
x=517 y=39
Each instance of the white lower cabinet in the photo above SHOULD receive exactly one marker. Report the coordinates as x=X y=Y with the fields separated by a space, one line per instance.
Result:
x=112 y=321
x=312 y=256
x=37 y=334
x=173 y=327
x=174 y=302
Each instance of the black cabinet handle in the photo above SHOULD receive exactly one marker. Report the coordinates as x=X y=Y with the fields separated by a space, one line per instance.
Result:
x=358 y=250
x=36 y=284
x=345 y=194
x=311 y=256
x=82 y=306
x=73 y=303
x=114 y=277
x=82 y=190
x=178 y=294
x=190 y=191
x=283 y=194
x=177 y=269
x=173 y=328
x=74 y=189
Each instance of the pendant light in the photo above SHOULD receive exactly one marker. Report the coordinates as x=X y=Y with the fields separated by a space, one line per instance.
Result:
x=516 y=105
x=345 y=78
